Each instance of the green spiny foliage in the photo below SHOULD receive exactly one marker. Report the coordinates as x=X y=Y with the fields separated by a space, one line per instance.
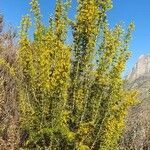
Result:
x=71 y=96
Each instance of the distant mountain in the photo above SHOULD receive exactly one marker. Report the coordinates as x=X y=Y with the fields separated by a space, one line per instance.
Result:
x=137 y=136
x=141 y=68
x=139 y=78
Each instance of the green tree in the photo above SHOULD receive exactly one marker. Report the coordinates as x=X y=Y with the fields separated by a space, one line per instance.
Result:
x=71 y=96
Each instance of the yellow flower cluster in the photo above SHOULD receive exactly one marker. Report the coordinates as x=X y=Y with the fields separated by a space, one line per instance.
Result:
x=71 y=96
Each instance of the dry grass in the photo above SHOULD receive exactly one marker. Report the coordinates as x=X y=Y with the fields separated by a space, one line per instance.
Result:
x=9 y=116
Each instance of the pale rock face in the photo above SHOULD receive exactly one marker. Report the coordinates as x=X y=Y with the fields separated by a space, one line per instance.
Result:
x=141 y=68
x=138 y=123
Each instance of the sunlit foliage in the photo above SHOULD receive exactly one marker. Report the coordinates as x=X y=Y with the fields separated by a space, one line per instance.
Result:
x=71 y=96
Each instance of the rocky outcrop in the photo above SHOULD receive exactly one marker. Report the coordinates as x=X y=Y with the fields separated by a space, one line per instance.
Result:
x=141 y=68
x=137 y=135
x=139 y=78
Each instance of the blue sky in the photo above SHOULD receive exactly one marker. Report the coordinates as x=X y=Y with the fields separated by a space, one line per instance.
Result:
x=123 y=11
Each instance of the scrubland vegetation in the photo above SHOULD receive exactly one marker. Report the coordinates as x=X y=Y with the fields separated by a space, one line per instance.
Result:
x=60 y=96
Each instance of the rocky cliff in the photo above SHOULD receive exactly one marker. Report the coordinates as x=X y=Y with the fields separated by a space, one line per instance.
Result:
x=141 y=68
x=139 y=78
x=137 y=135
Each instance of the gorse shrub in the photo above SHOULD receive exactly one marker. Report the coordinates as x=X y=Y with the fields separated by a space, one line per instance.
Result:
x=71 y=96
